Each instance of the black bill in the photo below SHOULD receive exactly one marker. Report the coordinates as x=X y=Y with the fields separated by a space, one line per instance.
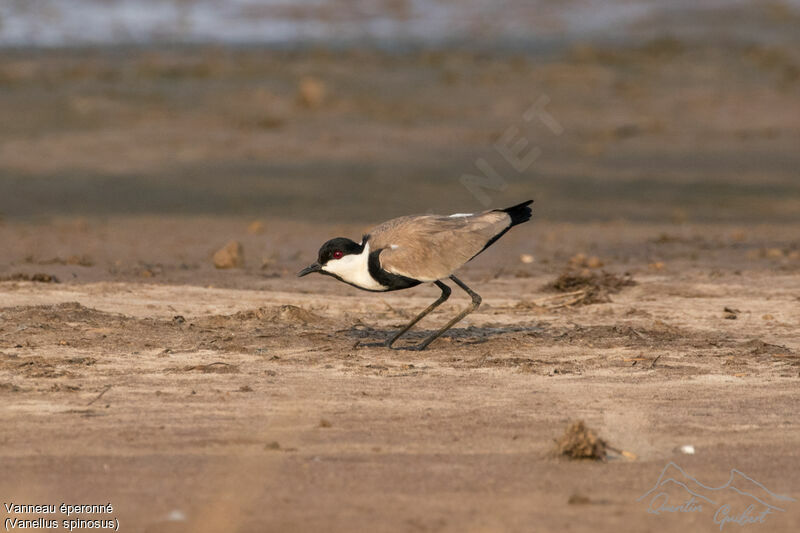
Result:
x=313 y=267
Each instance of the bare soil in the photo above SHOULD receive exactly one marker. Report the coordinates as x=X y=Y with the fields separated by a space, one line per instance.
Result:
x=132 y=371
x=247 y=401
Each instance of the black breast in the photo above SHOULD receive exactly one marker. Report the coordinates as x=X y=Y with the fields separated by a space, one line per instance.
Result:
x=387 y=279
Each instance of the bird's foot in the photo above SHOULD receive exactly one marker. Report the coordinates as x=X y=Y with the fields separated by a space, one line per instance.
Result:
x=412 y=348
x=383 y=344
x=389 y=344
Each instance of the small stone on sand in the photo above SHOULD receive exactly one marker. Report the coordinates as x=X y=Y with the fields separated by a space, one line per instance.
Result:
x=230 y=256
x=310 y=92
x=256 y=227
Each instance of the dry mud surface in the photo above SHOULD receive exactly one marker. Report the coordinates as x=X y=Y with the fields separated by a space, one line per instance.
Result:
x=204 y=400
x=247 y=402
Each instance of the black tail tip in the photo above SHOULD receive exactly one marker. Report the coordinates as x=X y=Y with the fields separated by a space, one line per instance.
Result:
x=519 y=213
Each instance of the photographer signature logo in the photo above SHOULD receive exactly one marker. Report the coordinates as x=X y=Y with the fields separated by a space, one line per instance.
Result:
x=741 y=500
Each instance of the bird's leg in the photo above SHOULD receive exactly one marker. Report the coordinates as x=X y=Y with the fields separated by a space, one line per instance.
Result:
x=445 y=295
x=476 y=301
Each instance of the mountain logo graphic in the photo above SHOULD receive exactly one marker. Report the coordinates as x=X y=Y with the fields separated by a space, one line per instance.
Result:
x=741 y=499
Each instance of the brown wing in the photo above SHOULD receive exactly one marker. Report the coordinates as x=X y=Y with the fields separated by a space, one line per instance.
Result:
x=431 y=247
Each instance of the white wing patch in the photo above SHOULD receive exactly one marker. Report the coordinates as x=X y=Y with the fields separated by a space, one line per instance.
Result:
x=355 y=269
x=456 y=215
x=394 y=246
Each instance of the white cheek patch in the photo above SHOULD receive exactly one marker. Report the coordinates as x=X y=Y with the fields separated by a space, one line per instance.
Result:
x=354 y=269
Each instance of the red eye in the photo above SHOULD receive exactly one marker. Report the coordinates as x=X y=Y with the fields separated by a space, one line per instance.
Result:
x=338 y=254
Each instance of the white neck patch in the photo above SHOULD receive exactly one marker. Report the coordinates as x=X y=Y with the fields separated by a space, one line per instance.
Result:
x=355 y=269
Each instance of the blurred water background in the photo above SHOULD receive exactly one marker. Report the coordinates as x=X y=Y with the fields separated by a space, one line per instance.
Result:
x=383 y=22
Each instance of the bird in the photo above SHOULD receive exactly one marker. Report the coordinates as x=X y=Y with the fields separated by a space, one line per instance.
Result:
x=405 y=252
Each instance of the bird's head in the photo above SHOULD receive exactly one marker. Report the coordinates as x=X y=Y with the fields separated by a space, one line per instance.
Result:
x=331 y=255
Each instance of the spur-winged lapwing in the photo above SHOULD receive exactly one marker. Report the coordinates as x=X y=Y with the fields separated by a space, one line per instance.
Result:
x=407 y=251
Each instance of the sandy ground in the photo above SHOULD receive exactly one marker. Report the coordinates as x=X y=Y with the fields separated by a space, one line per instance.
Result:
x=205 y=400
x=248 y=403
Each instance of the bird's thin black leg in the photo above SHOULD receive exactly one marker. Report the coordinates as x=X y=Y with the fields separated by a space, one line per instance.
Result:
x=445 y=295
x=476 y=301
